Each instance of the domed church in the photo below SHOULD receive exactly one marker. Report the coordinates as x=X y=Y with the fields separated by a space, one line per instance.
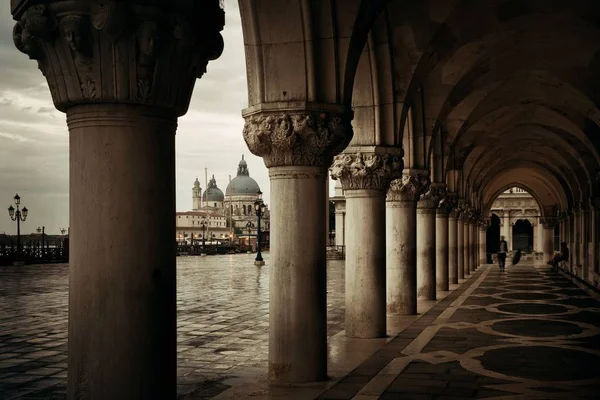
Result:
x=236 y=205
x=241 y=193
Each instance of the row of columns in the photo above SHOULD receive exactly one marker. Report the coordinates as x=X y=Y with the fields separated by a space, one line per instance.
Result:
x=428 y=244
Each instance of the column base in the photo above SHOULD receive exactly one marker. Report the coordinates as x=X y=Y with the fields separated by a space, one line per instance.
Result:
x=259 y=263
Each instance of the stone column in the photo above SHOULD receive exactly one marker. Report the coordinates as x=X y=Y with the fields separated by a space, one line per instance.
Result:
x=426 y=239
x=442 y=253
x=594 y=251
x=365 y=179
x=401 y=241
x=466 y=244
x=548 y=237
x=122 y=91
x=472 y=246
x=340 y=227
x=297 y=145
x=483 y=227
x=578 y=239
x=460 y=246
x=453 y=247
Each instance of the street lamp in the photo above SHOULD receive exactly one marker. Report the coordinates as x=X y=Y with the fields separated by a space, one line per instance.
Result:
x=63 y=231
x=203 y=225
x=259 y=208
x=43 y=232
x=19 y=216
x=249 y=225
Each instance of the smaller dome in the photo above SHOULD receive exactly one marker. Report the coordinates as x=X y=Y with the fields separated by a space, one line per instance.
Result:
x=212 y=192
x=243 y=162
x=196 y=183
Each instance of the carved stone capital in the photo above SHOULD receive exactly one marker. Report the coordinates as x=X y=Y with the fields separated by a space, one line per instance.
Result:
x=409 y=187
x=366 y=171
x=549 y=222
x=484 y=224
x=467 y=214
x=306 y=135
x=431 y=198
x=458 y=208
x=108 y=51
x=447 y=204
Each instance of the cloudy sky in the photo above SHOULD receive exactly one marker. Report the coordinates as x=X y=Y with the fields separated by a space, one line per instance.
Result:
x=34 y=137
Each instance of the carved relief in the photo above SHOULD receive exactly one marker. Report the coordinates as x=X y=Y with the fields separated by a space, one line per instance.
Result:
x=549 y=223
x=72 y=30
x=366 y=171
x=409 y=187
x=430 y=198
x=448 y=204
x=112 y=64
x=309 y=139
x=146 y=40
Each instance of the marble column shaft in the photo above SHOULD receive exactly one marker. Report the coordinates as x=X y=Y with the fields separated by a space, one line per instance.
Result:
x=548 y=241
x=452 y=249
x=426 y=241
x=297 y=272
x=100 y=61
x=401 y=242
x=466 y=248
x=483 y=245
x=442 y=252
x=365 y=178
x=460 y=247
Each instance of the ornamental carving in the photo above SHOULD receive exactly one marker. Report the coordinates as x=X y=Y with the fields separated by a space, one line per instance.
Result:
x=108 y=51
x=484 y=223
x=430 y=198
x=549 y=222
x=448 y=204
x=458 y=208
x=409 y=187
x=301 y=139
x=366 y=171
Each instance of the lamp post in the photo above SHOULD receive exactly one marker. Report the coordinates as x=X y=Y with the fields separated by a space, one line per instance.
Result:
x=259 y=208
x=249 y=225
x=43 y=231
x=19 y=216
x=203 y=225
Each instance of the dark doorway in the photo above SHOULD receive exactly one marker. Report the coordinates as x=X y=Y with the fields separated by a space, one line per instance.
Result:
x=523 y=236
x=492 y=237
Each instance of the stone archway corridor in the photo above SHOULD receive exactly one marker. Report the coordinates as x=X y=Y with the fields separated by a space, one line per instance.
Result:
x=527 y=333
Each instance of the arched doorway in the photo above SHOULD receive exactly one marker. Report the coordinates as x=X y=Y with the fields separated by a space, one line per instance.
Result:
x=523 y=236
x=492 y=237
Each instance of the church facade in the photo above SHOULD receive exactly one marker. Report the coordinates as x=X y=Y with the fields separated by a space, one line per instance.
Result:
x=229 y=213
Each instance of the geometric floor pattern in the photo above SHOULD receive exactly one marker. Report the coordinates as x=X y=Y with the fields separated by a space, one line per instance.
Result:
x=526 y=333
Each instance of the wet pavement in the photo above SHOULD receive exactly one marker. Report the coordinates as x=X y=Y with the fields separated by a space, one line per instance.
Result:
x=222 y=319
x=527 y=333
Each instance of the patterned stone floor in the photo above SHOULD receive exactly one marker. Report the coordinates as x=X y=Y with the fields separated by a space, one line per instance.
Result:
x=527 y=333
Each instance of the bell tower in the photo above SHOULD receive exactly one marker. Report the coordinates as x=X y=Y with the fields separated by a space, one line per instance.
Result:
x=196 y=196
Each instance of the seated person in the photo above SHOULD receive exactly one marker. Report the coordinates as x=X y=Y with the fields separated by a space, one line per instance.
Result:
x=562 y=256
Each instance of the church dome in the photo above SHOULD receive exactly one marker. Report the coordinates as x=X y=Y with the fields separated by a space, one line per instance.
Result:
x=242 y=184
x=212 y=192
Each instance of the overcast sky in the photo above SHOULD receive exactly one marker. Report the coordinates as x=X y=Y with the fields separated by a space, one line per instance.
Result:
x=34 y=136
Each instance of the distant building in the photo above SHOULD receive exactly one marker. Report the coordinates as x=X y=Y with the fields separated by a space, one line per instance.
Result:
x=228 y=214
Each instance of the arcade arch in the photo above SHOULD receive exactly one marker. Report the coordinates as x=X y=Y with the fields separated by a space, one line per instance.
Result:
x=424 y=111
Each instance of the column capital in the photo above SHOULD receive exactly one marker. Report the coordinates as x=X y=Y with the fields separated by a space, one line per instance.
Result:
x=409 y=187
x=548 y=222
x=484 y=223
x=431 y=198
x=373 y=169
x=448 y=204
x=297 y=133
x=108 y=51
x=595 y=203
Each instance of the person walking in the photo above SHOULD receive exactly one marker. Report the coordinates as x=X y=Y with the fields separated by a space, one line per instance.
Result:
x=562 y=256
x=501 y=255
